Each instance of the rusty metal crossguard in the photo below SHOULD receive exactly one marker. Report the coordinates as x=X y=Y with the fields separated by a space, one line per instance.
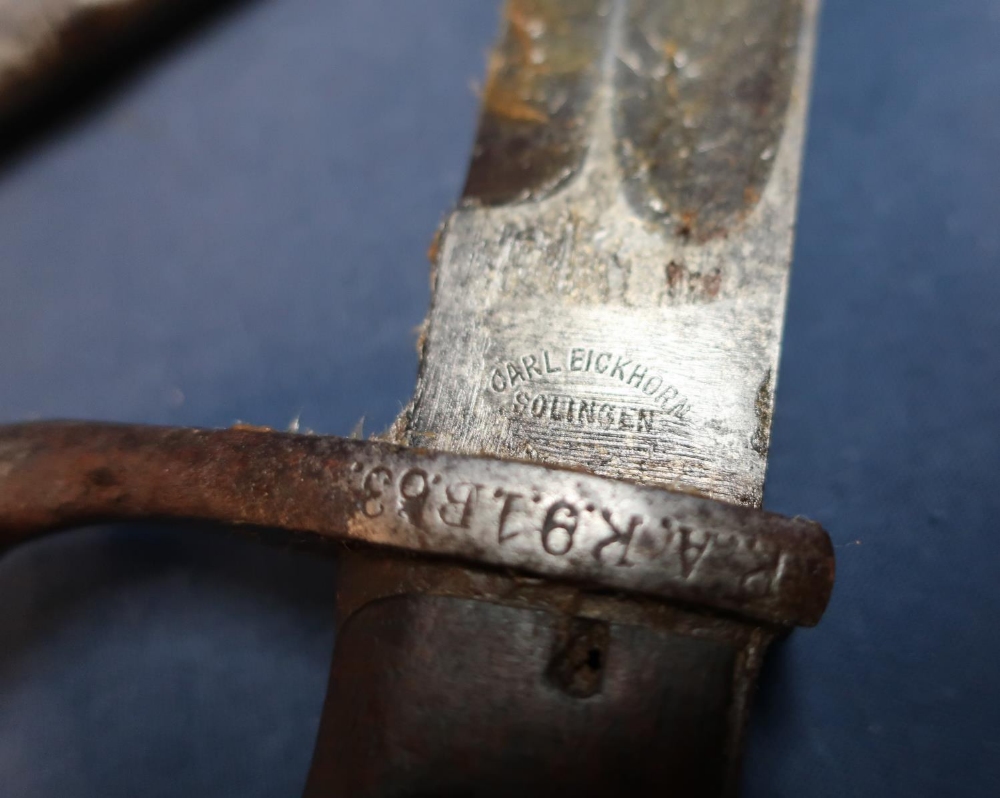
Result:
x=553 y=523
x=646 y=594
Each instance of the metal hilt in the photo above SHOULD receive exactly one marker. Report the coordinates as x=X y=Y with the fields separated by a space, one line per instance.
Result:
x=594 y=615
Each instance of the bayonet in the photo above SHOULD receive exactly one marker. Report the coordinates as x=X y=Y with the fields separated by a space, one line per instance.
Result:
x=557 y=575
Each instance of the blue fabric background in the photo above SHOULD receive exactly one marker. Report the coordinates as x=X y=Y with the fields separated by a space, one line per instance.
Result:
x=238 y=233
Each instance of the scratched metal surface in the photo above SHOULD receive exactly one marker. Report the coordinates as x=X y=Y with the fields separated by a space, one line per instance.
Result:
x=216 y=240
x=621 y=310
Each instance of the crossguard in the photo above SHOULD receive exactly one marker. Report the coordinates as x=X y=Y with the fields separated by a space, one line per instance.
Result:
x=554 y=523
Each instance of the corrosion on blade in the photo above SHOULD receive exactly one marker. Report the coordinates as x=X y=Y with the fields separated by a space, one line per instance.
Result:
x=610 y=292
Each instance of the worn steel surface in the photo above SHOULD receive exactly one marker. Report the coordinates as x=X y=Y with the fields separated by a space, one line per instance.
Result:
x=539 y=520
x=610 y=292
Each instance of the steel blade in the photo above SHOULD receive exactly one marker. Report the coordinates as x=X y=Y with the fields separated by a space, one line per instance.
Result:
x=610 y=292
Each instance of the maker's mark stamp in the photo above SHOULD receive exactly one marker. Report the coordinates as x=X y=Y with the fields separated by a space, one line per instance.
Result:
x=514 y=381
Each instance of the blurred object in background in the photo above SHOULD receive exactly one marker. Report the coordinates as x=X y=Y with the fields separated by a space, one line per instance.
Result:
x=48 y=46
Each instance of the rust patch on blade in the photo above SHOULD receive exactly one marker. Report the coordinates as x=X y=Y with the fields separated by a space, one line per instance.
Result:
x=540 y=82
x=702 y=88
x=763 y=405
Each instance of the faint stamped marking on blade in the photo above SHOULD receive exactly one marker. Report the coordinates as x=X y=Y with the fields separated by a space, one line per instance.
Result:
x=539 y=387
x=566 y=409
x=627 y=369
